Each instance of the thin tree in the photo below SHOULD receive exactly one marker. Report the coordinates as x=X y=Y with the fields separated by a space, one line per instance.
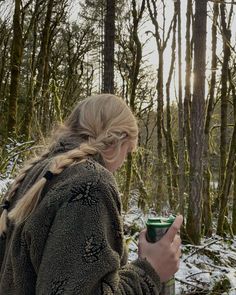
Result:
x=188 y=71
x=172 y=166
x=224 y=195
x=181 y=145
x=109 y=46
x=194 y=217
x=226 y=165
x=137 y=17
x=233 y=89
x=207 y=212
x=43 y=54
x=16 y=58
x=5 y=33
x=161 y=38
x=226 y=34
x=29 y=111
x=234 y=204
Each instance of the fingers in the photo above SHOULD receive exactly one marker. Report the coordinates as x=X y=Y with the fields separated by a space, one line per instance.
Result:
x=173 y=230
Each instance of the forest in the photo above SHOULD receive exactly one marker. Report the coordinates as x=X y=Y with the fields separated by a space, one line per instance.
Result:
x=173 y=62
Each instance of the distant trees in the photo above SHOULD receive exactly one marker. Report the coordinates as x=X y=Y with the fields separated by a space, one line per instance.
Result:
x=186 y=156
x=48 y=65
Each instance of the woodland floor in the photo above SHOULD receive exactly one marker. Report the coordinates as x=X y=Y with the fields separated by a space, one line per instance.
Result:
x=206 y=269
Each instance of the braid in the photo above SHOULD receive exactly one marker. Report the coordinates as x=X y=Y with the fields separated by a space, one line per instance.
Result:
x=65 y=160
x=28 y=203
x=15 y=185
x=22 y=173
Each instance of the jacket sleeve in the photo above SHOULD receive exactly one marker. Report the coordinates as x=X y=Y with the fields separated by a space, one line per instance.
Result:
x=84 y=248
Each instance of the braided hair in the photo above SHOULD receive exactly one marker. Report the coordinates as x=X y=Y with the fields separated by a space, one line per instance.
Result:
x=13 y=188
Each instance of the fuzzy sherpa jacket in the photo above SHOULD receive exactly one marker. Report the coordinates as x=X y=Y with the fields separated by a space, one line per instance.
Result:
x=73 y=242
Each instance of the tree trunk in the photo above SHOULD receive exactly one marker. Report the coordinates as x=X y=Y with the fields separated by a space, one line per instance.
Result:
x=224 y=195
x=4 y=59
x=172 y=166
x=134 y=82
x=127 y=182
x=188 y=60
x=234 y=204
x=109 y=46
x=181 y=145
x=193 y=226
x=3 y=75
x=224 y=99
x=160 y=104
x=143 y=194
x=233 y=88
x=29 y=107
x=207 y=213
x=16 y=59
x=43 y=54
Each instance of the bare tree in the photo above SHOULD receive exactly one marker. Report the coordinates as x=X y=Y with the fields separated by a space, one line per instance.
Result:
x=137 y=17
x=16 y=58
x=193 y=225
x=172 y=166
x=181 y=144
x=188 y=60
x=207 y=212
x=161 y=38
x=109 y=46
x=232 y=76
x=226 y=165
x=29 y=103
x=5 y=33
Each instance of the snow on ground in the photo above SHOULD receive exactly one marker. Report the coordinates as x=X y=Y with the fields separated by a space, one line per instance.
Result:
x=4 y=183
x=201 y=267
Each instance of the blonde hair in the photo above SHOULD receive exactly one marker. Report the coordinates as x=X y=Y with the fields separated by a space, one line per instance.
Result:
x=102 y=121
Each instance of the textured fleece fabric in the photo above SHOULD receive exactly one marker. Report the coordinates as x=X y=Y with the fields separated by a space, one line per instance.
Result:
x=73 y=242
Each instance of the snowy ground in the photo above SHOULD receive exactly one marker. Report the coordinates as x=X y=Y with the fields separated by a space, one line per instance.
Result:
x=4 y=182
x=201 y=268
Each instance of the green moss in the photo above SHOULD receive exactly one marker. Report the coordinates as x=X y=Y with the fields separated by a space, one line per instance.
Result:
x=221 y=286
x=134 y=228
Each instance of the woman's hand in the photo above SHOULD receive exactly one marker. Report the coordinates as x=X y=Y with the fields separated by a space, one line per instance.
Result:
x=164 y=255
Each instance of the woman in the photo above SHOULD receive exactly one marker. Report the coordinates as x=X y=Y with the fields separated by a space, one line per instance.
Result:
x=61 y=224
